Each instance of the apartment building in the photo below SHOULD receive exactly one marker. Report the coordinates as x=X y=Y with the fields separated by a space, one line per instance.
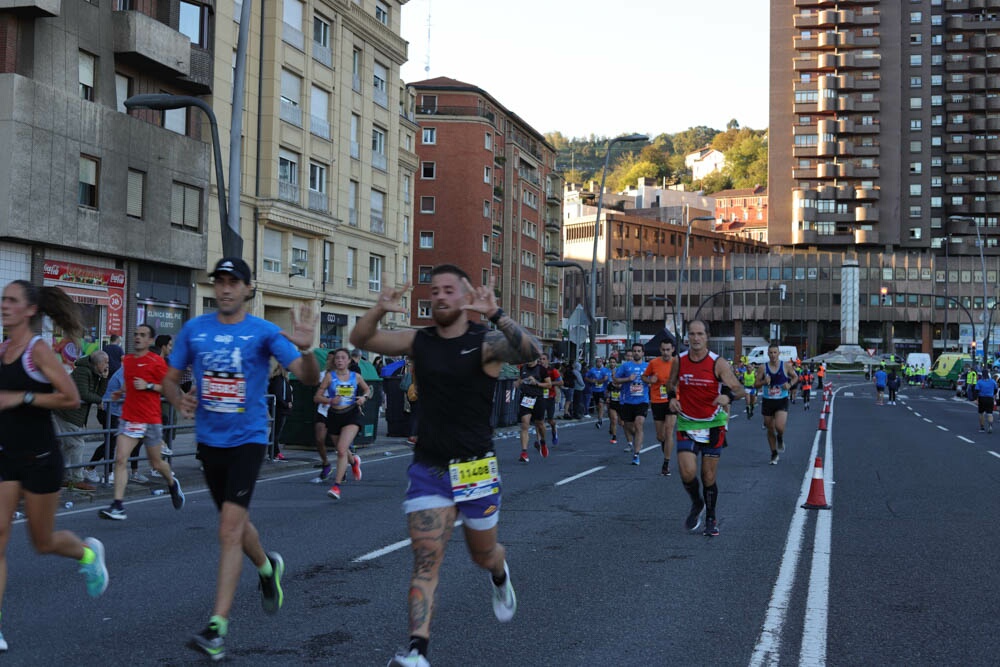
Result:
x=884 y=123
x=106 y=204
x=742 y=212
x=490 y=201
x=328 y=156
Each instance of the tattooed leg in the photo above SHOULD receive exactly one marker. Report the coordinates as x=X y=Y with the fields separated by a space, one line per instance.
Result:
x=430 y=531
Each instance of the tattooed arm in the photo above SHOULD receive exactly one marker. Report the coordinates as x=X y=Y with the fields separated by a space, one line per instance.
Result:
x=510 y=343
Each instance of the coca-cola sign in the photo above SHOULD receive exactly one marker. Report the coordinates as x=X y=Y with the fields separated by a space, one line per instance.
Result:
x=78 y=274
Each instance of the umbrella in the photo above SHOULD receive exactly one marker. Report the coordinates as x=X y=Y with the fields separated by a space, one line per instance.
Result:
x=390 y=369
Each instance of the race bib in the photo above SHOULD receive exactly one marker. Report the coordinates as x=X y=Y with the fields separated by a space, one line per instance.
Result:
x=474 y=479
x=701 y=436
x=345 y=390
x=224 y=392
x=775 y=392
x=615 y=395
x=663 y=391
x=636 y=389
x=528 y=401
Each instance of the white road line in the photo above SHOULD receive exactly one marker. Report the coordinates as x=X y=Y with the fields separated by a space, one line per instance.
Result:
x=942 y=427
x=395 y=546
x=971 y=442
x=928 y=420
x=814 y=629
x=917 y=414
x=848 y=394
x=650 y=448
x=994 y=454
x=576 y=477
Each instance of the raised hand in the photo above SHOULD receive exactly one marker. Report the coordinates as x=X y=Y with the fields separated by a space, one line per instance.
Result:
x=303 y=326
x=390 y=300
x=484 y=298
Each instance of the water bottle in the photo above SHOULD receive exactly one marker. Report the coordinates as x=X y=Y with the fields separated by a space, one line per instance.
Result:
x=18 y=515
x=157 y=492
x=69 y=505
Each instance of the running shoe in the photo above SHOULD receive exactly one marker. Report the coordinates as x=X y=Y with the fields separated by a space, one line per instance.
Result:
x=538 y=446
x=774 y=458
x=3 y=643
x=711 y=528
x=635 y=459
x=176 y=494
x=597 y=424
x=210 y=642
x=271 y=597
x=665 y=468
x=781 y=442
x=614 y=440
x=544 y=449
x=325 y=471
x=138 y=478
x=95 y=573
x=165 y=450
x=410 y=659
x=280 y=457
x=334 y=492
x=693 y=520
x=628 y=447
x=555 y=439
x=504 y=600
x=91 y=476
x=356 y=468
x=523 y=458
x=113 y=513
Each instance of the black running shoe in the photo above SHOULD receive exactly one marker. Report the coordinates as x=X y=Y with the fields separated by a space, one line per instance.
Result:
x=693 y=520
x=711 y=528
x=774 y=458
x=176 y=494
x=781 y=442
x=271 y=597
x=210 y=642
x=665 y=468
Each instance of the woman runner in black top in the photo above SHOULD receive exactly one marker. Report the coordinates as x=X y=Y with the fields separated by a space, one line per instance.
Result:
x=33 y=382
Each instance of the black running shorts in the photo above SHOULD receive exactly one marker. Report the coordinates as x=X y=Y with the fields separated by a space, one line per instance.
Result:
x=231 y=472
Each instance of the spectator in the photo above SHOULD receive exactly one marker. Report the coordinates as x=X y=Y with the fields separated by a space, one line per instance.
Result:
x=115 y=352
x=567 y=390
x=279 y=386
x=91 y=376
x=409 y=387
x=355 y=363
x=163 y=344
x=579 y=392
x=114 y=411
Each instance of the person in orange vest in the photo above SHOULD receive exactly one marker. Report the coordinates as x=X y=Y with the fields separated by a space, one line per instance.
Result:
x=821 y=375
x=805 y=384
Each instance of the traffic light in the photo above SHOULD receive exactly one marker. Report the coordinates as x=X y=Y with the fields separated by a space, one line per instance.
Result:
x=886 y=299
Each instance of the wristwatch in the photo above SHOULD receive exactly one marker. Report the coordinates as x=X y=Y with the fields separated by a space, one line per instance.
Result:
x=149 y=386
x=29 y=398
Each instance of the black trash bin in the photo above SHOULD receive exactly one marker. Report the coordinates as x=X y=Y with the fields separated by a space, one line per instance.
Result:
x=397 y=420
x=369 y=425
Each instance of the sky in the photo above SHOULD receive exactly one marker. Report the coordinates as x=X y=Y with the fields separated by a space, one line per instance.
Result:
x=599 y=67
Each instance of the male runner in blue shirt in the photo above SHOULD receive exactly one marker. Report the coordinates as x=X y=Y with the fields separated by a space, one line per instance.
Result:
x=634 y=399
x=598 y=377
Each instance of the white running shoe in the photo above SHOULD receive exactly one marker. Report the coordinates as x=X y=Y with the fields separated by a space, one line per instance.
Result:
x=504 y=600
x=410 y=659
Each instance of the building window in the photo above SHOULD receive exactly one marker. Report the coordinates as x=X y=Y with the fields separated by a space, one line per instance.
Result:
x=915 y=189
x=488 y=142
x=406 y=230
x=89 y=171
x=193 y=23
x=291 y=98
x=427 y=170
x=382 y=12
x=915 y=233
x=327 y=260
x=352 y=267
x=321 y=32
x=429 y=135
x=487 y=175
x=272 y=251
x=378 y=212
x=378 y=149
x=356 y=69
x=424 y=274
x=915 y=211
x=486 y=209
x=123 y=90
x=135 y=193
x=300 y=255
x=915 y=146
x=427 y=204
x=916 y=103
x=375 y=263
x=288 y=176
x=915 y=124
x=355 y=136
x=88 y=66
x=353 y=194
x=426 y=240
x=424 y=309
x=916 y=60
x=319 y=105
x=379 y=78
x=175 y=120
x=185 y=207
x=486 y=243
x=317 y=187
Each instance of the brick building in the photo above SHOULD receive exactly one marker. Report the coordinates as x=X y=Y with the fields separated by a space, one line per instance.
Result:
x=742 y=212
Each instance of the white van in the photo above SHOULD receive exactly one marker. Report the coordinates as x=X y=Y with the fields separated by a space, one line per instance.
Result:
x=758 y=355
x=919 y=360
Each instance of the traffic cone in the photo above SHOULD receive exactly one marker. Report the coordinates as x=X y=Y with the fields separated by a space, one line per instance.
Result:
x=817 y=493
x=826 y=407
x=822 y=422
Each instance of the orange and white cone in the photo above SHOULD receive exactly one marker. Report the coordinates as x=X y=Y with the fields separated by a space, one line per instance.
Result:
x=826 y=407
x=817 y=492
x=822 y=422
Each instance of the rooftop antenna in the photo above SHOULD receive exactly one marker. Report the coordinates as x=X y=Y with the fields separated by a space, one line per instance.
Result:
x=427 y=58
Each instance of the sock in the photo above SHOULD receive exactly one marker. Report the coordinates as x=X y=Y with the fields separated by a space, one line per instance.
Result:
x=266 y=570
x=419 y=643
x=694 y=490
x=711 y=493
x=117 y=504
x=88 y=556
x=498 y=582
x=220 y=623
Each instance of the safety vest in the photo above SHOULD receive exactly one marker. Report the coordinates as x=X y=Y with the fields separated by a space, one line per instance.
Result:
x=971 y=378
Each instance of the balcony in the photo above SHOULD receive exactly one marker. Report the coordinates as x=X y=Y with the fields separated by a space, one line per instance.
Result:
x=379 y=161
x=552 y=278
x=552 y=334
x=552 y=224
x=288 y=191
x=293 y=36
x=322 y=54
x=148 y=44
x=319 y=127
x=381 y=97
x=377 y=223
x=866 y=193
x=862 y=214
x=318 y=201
x=551 y=306
x=291 y=112
x=457 y=111
x=32 y=8
x=497 y=257
x=552 y=197
x=498 y=192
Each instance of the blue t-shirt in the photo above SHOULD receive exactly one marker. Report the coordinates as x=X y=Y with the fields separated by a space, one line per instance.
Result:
x=880 y=377
x=986 y=387
x=230 y=365
x=637 y=391
x=602 y=375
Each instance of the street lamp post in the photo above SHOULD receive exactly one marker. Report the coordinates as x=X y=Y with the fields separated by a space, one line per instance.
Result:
x=597 y=230
x=232 y=242
x=562 y=264
x=986 y=289
x=684 y=266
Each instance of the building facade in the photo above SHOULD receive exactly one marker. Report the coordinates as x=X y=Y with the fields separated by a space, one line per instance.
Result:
x=489 y=200
x=109 y=205
x=742 y=212
x=884 y=123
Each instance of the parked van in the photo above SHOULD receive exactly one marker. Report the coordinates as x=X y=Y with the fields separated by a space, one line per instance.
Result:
x=920 y=361
x=948 y=369
x=758 y=355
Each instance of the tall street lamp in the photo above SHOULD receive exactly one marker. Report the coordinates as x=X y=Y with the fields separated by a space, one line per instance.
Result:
x=986 y=289
x=562 y=264
x=597 y=229
x=232 y=242
x=684 y=266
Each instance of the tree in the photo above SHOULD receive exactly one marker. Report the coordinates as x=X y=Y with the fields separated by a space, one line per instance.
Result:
x=746 y=162
x=716 y=182
x=733 y=124
x=693 y=138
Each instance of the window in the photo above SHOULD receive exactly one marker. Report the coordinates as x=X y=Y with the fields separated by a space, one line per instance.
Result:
x=487 y=175
x=288 y=176
x=321 y=32
x=915 y=211
x=317 y=186
x=272 y=251
x=528 y=289
x=89 y=169
x=378 y=148
x=355 y=136
x=915 y=124
x=424 y=274
x=429 y=135
x=488 y=142
x=327 y=260
x=185 y=207
x=375 y=263
x=405 y=180
x=424 y=309
x=292 y=13
x=486 y=243
x=915 y=81
x=426 y=240
x=291 y=97
x=382 y=12
x=378 y=212
x=123 y=90
x=88 y=66
x=427 y=204
x=353 y=193
x=300 y=255
x=193 y=23
x=356 y=69
x=486 y=210
x=428 y=103
x=319 y=105
x=915 y=146
x=135 y=191
x=915 y=17
x=916 y=38
x=916 y=60
x=406 y=229
x=378 y=84
x=427 y=170
x=352 y=267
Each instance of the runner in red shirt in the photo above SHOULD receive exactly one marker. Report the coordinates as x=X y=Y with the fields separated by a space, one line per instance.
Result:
x=141 y=420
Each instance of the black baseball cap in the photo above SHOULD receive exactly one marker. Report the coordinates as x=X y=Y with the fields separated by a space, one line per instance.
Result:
x=233 y=266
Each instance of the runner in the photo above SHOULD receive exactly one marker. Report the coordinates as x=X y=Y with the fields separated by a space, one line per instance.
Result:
x=345 y=394
x=33 y=383
x=986 y=389
x=319 y=427
x=229 y=352
x=701 y=422
x=749 y=379
x=454 y=470
x=142 y=421
x=614 y=401
x=534 y=383
x=657 y=374
x=598 y=377
x=634 y=399
x=805 y=384
x=774 y=379
x=881 y=378
x=549 y=400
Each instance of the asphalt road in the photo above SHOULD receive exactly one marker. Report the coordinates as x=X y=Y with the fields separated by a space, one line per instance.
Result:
x=900 y=571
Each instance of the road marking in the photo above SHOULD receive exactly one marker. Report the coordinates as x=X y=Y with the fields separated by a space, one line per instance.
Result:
x=395 y=546
x=576 y=477
x=848 y=394
x=994 y=454
x=942 y=427
x=916 y=414
x=928 y=420
x=971 y=442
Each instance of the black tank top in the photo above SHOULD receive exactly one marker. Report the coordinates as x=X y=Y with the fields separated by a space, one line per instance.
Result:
x=456 y=396
x=25 y=430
